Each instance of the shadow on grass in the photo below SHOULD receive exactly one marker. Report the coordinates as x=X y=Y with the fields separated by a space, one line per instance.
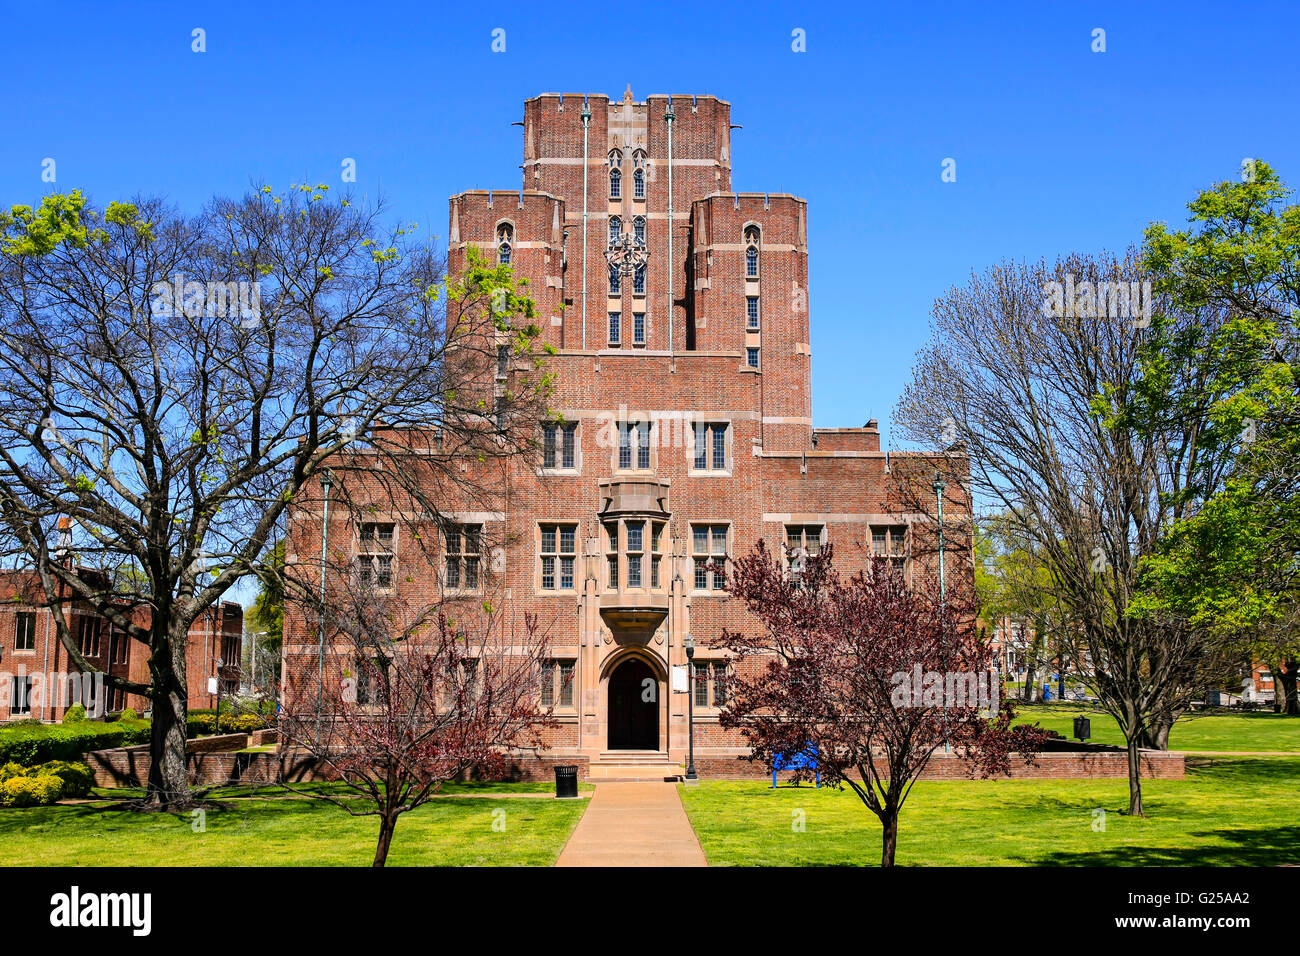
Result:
x=1264 y=847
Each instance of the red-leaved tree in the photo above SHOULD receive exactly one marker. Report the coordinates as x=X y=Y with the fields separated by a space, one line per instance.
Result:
x=413 y=698
x=870 y=674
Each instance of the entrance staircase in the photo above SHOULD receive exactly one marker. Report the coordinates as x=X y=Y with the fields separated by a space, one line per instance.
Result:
x=630 y=765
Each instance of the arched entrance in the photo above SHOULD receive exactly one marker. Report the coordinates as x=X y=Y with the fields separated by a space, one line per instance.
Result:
x=633 y=707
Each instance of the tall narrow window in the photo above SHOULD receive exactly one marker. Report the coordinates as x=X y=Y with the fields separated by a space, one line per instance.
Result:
x=558 y=445
x=615 y=184
x=464 y=544
x=375 y=555
x=635 y=552
x=638 y=184
x=638 y=228
x=701 y=683
x=503 y=361
x=25 y=631
x=615 y=281
x=611 y=553
x=615 y=328
x=615 y=228
x=643 y=445
x=656 y=543
x=751 y=357
x=709 y=545
x=751 y=311
x=559 y=549
x=638 y=328
x=638 y=281
x=751 y=263
x=711 y=446
x=505 y=243
x=624 y=445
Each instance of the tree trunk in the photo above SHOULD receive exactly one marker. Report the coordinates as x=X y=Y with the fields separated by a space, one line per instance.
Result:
x=1134 y=778
x=1286 y=683
x=386 y=825
x=169 y=786
x=889 y=822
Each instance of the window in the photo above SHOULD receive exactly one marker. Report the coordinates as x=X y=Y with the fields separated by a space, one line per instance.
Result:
x=503 y=361
x=615 y=281
x=751 y=263
x=638 y=228
x=20 y=697
x=118 y=644
x=638 y=328
x=88 y=628
x=751 y=311
x=638 y=281
x=558 y=444
x=890 y=543
x=464 y=546
x=751 y=357
x=557 y=683
x=116 y=700
x=559 y=549
x=25 y=631
x=711 y=446
x=505 y=240
x=710 y=686
x=634 y=434
x=802 y=540
x=368 y=683
x=615 y=228
x=638 y=184
x=375 y=555
x=656 y=546
x=635 y=552
x=615 y=184
x=709 y=544
x=615 y=327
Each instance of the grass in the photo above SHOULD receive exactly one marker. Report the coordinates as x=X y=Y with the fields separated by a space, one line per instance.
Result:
x=270 y=827
x=1228 y=812
x=1248 y=730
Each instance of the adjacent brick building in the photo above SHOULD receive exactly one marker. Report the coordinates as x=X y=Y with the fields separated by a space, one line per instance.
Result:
x=32 y=655
x=685 y=389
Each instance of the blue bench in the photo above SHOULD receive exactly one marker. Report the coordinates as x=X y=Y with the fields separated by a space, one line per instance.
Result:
x=799 y=760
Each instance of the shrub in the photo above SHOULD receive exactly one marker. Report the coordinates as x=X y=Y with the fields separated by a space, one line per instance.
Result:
x=75 y=714
x=128 y=714
x=77 y=778
x=31 y=745
x=30 y=791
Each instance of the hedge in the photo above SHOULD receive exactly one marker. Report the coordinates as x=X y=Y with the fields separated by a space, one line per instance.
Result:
x=31 y=744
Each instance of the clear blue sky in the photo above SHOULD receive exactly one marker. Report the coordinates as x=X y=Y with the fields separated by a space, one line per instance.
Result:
x=1057 y=148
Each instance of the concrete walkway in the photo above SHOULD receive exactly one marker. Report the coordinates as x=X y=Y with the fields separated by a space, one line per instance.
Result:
x=633 y=824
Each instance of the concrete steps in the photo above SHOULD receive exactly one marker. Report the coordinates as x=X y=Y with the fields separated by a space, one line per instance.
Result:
x=633 y=765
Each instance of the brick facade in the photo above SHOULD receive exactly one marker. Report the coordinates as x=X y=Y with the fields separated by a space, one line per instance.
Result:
x=736 y=279
x=30 y=645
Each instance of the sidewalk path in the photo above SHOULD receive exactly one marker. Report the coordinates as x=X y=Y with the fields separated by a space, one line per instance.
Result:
x=633 y=824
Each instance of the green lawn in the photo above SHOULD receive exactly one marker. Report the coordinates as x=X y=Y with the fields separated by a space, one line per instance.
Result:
x=1215 y=731
x=271 y=828
x=1228 y=812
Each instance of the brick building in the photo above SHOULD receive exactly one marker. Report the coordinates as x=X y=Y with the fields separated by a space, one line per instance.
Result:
x=32 y=656
x=679 y=312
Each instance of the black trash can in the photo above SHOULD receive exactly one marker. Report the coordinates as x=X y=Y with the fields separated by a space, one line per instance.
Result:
x=566 y=781
x=1082 y=728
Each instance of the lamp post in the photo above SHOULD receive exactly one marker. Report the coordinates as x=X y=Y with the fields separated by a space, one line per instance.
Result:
x=939 y=486
x=326 y=482
x=690 y=707
x=216 y=722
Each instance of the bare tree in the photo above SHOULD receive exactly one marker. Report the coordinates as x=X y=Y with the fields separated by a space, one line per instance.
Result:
x=172 y=385
x=1035 y=395
x=413 y=698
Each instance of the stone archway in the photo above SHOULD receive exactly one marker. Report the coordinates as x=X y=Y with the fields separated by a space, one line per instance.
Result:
x=632 y=698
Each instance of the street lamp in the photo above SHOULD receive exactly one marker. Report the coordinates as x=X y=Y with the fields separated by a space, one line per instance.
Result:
x=939 y=486
x=326 y=482
x=690 y=707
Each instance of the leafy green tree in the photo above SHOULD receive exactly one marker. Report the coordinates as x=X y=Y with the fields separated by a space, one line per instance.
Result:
x=1230 y=566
